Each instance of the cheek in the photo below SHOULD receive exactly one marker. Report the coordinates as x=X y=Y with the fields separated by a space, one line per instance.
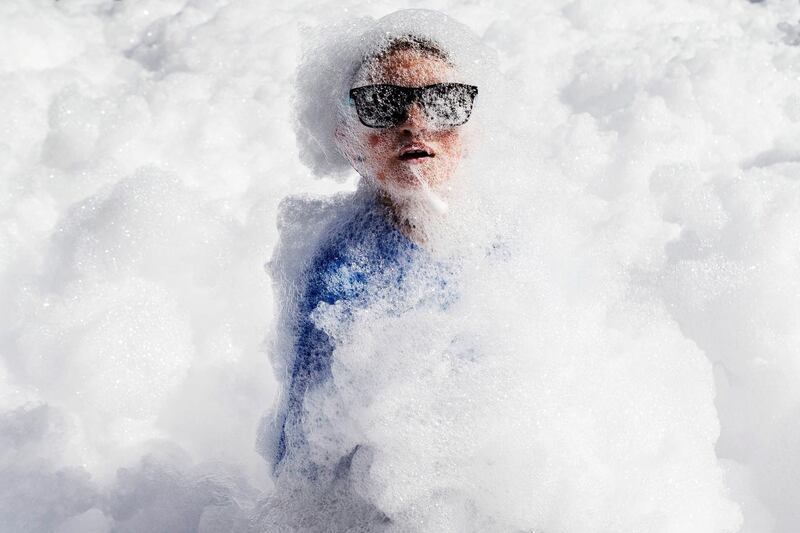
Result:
x=367 y=146
x=451 y=144
x=380 y=148
x=373 y=154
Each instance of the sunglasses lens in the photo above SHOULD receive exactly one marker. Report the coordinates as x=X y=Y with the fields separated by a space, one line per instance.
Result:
x=448 y=104
x=380 y=106
x=384 y=106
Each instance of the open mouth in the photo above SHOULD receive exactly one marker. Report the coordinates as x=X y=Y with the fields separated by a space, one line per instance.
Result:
x=410 y=153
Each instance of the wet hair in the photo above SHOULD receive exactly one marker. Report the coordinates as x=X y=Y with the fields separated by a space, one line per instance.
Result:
x=414 y=43
x=408 y=42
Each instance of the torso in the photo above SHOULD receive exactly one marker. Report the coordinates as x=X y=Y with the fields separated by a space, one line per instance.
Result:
x=365 y=262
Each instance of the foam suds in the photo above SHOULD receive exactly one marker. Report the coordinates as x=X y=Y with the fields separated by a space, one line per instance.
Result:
x=432 y=200
x=607 y=343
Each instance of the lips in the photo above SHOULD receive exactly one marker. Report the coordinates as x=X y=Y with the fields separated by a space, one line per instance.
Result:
x=415 y=151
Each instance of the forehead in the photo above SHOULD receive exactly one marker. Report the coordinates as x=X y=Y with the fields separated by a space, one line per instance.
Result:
x=411 y=68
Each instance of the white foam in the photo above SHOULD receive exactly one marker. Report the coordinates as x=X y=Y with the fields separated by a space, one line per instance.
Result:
x=624 y=359
x=433 y=200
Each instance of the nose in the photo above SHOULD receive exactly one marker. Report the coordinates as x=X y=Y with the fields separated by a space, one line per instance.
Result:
x=415 y=119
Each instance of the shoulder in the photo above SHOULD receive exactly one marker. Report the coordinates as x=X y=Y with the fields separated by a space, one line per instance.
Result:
x=322 y=248
x=303 y=222
x=315 y=234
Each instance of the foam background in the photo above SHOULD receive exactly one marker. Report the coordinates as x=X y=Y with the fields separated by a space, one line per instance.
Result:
x=146 y=145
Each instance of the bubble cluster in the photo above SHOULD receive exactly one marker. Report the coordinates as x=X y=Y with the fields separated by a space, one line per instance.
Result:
x=619 y=352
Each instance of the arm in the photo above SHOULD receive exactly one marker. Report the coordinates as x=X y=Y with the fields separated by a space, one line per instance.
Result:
x=312 y=349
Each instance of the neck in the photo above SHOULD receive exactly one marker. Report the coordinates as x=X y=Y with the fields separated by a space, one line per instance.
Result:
x=406 y=215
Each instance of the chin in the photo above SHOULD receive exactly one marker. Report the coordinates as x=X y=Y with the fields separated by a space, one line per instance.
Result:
x=407 y=180
x=398 y=190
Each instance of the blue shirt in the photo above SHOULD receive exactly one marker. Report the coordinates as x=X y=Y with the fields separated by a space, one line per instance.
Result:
x=364 y=259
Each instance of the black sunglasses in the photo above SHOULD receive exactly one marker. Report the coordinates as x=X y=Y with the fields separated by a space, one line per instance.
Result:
x=383 y=106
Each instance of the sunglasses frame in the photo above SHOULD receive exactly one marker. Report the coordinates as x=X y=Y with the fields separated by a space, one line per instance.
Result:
x=411 y=95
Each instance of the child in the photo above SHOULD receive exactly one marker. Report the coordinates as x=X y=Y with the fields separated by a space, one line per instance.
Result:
x=402 y=130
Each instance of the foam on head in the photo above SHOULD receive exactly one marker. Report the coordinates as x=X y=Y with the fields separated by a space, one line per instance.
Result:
x=421 y=46
x=336 y=55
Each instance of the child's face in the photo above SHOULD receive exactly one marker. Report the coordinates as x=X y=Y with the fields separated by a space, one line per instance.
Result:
x=378 y=153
